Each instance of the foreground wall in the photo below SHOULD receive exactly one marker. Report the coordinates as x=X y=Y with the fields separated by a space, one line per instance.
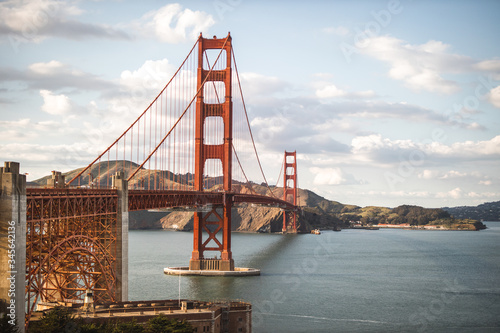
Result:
x=12 y=243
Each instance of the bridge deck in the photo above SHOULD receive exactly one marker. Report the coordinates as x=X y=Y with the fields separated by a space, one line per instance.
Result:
x=104 y=200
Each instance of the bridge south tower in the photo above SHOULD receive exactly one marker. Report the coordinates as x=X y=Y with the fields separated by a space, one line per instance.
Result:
x=219 y=109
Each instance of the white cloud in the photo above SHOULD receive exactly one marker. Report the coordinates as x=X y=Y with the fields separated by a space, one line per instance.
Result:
x=152 y=75
x=39 y=159
x=338 y=31
x=428 y=174
x=490 y=66
x=260 y=86
x=472 y=149
x=485 y=182
x=453 y=174
x=368 y=143
x=374 y=147
x=173 y=24
x=475 y=126
x=54 y=75
x=33 y=21
x=58 y=105
x=456 y=193
x=327 y=176
x=331 y=91
x=494 y=96
x=47 y=68
x=422 y=67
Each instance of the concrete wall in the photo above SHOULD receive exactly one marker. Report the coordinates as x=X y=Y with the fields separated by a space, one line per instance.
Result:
x=12 y=243
x=120 y=183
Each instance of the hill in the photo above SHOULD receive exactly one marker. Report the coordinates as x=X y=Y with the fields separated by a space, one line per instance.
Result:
x=316 y=211
x=489 y=211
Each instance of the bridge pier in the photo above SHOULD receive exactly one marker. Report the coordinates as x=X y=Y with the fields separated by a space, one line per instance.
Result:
x=12 y=243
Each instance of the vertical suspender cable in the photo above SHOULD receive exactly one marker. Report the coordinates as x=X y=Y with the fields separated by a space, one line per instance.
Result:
x=248 y=123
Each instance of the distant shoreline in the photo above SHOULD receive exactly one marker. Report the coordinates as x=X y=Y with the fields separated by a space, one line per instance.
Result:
x=428 y=227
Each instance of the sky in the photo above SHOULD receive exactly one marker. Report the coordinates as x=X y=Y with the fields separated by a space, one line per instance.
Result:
x=385 y=102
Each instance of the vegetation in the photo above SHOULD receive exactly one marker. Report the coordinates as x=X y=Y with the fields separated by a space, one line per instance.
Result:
x=488 y=211
x=6 y=327
x=407 y=214
x=62 y=319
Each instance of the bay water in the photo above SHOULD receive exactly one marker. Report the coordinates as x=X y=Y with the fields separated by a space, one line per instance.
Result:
x=349 y=281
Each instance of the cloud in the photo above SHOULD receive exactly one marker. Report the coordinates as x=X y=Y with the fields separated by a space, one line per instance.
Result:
x=422 y=67
x=39 y=159
x=467 y=149
x=331 y=91
x=26 y=130
x=338 y=31
x=453 y=174
x=376 y=149
x=331 y=176
x=152 y=75
x=258 y=86
x=33 y=21
x=456 y=193
x=428 y=174
x=48 y=68
x=173 y=24
x=494 y=96
x=54 y=75
x=490 y=66
x=354 y=109
x=58 y=105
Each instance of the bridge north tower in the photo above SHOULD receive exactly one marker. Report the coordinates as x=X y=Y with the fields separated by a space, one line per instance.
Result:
x=290 y=191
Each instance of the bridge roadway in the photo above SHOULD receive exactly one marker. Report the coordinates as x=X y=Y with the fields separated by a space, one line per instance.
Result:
x=69 y=202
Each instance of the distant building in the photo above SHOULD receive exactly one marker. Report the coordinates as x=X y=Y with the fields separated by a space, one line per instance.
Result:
x=431 y=227
x=387 y=225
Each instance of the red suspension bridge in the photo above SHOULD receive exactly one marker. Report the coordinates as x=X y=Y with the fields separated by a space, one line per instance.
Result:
x=190 y=148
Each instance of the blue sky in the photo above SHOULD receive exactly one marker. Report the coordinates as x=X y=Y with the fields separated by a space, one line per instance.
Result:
x=386 y=102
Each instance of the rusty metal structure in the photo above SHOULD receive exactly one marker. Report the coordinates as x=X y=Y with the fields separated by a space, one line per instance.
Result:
x=72 y=245
x=180 y=152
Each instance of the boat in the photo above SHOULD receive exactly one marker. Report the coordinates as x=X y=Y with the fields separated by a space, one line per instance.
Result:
x=316 y=231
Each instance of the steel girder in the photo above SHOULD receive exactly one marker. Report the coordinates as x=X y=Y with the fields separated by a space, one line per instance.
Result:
x=70 y=245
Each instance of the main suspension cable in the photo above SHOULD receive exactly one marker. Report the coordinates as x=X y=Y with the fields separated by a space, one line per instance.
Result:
x=249 y=128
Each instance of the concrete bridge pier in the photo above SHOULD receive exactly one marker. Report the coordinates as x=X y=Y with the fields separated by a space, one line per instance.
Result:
x=120 y=183
x=12 y=243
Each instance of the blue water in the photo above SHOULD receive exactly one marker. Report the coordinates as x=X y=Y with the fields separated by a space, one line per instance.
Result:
x=348 y=281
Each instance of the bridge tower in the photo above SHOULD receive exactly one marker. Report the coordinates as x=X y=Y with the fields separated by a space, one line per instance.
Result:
x=290 y=191
x=218 y=219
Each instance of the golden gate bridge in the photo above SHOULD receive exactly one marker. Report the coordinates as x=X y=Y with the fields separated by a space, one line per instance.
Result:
x=186 y=150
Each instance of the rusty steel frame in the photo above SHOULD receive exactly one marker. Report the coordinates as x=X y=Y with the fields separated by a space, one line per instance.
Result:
x=71 y=245
x=193 y=200
x=71 y=235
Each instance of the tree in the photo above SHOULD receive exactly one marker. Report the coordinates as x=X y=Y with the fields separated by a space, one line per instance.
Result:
x=161 y=324
x=59 y=319
x=128 y=327
x=7 y=327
